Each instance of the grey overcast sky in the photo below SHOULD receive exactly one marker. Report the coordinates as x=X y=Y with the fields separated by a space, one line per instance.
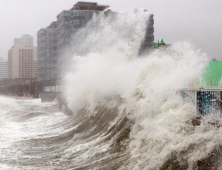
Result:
x=196 y=21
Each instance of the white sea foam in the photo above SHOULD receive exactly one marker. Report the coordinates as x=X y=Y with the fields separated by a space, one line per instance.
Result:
x=7 y=103
x=110 y=81
x=148 y=85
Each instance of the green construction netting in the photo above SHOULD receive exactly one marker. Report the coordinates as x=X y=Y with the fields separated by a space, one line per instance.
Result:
x=212 y=75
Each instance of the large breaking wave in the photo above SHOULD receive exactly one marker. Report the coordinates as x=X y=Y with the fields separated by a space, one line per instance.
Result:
x=139 y=97
x=128 y=113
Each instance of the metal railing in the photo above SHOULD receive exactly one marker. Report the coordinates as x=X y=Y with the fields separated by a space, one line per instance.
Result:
x=206 y=101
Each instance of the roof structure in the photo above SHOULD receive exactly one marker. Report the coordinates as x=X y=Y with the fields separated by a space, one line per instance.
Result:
x=53 y=25
x=80 y=5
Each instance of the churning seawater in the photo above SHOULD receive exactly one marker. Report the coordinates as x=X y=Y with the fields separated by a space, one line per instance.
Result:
x=128 y=113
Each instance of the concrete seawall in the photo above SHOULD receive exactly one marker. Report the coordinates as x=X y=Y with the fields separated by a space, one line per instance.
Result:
x=61 y=100
x=48 y=97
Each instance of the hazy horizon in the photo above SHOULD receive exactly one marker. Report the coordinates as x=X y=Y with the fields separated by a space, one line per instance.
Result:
x=195 y=21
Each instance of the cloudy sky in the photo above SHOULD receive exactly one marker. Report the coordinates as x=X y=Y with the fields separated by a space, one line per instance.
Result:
x=196 y=21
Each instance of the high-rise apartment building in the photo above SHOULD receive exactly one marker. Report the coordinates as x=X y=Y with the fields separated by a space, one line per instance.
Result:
x=47 y=52
x=147 y=42
x=25 y=40
x=20 y=61
x=3 y=69
x=69 y=22
x=20 y=58
x=35 y=68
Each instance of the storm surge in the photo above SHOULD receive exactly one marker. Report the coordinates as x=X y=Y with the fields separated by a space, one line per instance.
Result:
x=133 y=101
x=128 y=113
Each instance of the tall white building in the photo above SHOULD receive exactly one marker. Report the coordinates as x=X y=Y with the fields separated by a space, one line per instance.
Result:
x=20 y=61
x=20 y=58
x=3 y=69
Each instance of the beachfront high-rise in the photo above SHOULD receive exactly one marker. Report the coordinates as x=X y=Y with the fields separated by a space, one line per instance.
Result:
x=47 y=52
x=20 y=61
x=20 y=58
x=68 y=23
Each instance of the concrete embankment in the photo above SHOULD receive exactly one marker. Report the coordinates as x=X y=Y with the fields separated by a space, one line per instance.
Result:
x=61 y=100
x=48 y=97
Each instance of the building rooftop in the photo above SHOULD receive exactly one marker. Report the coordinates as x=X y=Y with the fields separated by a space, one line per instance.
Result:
x=53 y=25
x=80 y=5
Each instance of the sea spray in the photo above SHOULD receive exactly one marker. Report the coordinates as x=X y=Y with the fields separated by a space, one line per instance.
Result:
x=128 y=111
x=7 y=104
x=107 y=43
x=146 y=89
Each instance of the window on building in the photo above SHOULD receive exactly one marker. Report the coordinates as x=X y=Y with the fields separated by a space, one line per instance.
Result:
x=66 y=22
x=76 y=13
x=76 y=22
x=66 y=14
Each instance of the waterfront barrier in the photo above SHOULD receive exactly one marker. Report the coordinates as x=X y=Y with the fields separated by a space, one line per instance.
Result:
x=206 y=101
x=48 y=97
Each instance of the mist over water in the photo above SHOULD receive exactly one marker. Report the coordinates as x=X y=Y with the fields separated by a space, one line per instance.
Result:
x=128 y=112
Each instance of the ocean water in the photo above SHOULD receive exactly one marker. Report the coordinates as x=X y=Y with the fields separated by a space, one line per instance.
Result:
x=128 y=114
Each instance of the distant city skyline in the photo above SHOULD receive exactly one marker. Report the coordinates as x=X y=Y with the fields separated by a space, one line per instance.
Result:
x=195 y=21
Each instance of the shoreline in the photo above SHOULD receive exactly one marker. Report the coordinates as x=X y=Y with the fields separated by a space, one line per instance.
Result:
x=17 y=97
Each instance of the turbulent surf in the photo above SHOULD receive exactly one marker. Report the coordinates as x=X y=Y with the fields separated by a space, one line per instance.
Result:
x=127 y=112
